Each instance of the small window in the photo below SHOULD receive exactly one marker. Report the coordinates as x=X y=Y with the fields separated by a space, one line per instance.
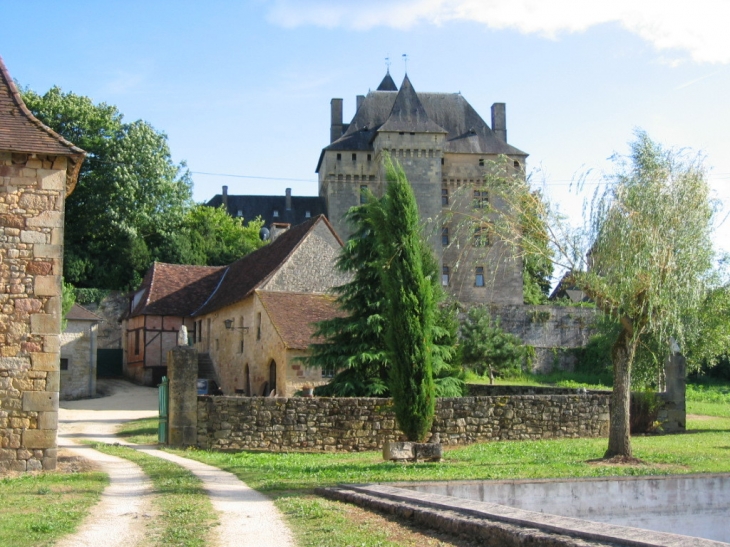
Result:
x=411 y=133
x=481 y=162
x=401 y=132
x=363 y=193
x=445 y=276
x=258 y=326
x=240 y=349
x=239 y=213
x=445 y=236
x=517 y=164
x=442 y=161
x=481 y=199
x=370 y=157
x=481 y=237
x=339 y=156
x=479 y=277
x=136 y=342
x=328 y=371
x=444 y=197
x=217 y=347
x=276 y=213
x=354 y=157
x=308 y=214
x=64 y=363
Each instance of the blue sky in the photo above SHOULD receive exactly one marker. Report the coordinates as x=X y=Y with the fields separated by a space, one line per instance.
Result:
x=243 y=88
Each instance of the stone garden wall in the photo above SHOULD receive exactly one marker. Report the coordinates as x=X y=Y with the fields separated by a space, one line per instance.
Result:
x=353 y=424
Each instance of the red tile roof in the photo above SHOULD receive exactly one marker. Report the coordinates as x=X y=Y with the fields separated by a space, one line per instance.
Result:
x=21 y=131
x=176 y=289
x=294 y=314
x=248 y=273
x=79 y=313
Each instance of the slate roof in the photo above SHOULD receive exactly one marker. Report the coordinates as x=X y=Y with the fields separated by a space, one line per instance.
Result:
x=176 y=289
x=22 y=132
x=79 y=313
x=387 y=84
x=466 y=131
x=247 y=274
x=264 y=206
x=408 y=113
x=294 y=315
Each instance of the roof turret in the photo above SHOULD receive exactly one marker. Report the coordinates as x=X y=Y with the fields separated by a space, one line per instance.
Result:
x=408 y=113
x=387 y=84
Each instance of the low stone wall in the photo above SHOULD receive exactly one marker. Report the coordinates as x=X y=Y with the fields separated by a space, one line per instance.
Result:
x=354 y=424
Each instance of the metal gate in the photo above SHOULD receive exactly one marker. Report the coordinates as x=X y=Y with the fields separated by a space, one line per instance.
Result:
x=163 y=399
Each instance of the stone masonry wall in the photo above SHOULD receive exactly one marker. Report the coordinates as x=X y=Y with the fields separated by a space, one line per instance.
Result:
x=354 y=424
x=79 y=379
x=32 y=191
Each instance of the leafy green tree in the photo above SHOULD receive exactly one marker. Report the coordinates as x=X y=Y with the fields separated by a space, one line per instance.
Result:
x=210 y=236
x=130 y=198
x=486 y=348
x=355 y=343
x=409 y=307
x=537 y=264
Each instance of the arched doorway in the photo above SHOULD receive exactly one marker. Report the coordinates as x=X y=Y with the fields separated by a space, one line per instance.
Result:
x=272 y=376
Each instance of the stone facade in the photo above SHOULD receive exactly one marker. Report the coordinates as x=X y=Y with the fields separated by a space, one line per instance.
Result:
x=38 y=169
x=353 y=424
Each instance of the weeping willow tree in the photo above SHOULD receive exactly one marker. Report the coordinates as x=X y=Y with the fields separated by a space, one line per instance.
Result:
x=644 y=255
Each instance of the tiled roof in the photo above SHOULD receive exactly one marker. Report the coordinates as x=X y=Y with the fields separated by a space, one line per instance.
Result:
x=176 y=289
x=251 y=207
x=79 y=313
x=294 y=314
x=21 y=131
x=387 y=84
x=246 y=274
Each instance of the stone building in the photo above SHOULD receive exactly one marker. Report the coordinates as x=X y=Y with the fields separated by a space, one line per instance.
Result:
x=38 y=169
x=225 y=312
x=78 y=354
x=444 y=147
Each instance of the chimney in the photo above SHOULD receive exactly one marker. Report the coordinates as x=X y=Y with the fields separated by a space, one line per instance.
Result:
x=358 y=102
x=288 y=199
x=499 y=121
x=336 y=119
x=225 y=197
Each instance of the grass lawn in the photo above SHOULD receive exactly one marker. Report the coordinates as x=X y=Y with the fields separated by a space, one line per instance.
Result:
x=186 y=514
x=37 y=509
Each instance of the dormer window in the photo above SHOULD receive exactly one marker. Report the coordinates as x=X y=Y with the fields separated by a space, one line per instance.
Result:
x=481 y=162
x=308 y=214
x=239 y=213
x=276 y=213
x=370 y=157
x=354 y=157
x=339 y=156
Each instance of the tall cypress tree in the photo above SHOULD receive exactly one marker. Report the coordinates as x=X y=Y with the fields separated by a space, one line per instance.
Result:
x=409 y=307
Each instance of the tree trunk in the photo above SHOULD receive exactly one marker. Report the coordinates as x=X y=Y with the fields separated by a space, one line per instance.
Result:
x=491 y=376
x=619 y=436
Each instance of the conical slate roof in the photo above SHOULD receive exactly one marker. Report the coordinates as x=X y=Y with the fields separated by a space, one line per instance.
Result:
x=387 y=84
x=22 y=132
x=408 y=113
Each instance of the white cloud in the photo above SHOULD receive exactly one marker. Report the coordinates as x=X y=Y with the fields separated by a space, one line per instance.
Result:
x=697 y=27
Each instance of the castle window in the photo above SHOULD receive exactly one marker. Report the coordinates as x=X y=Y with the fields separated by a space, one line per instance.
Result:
x=481 y=237
x=445 y=236
x=328 y=372
x=517 y=164
x=136 y=342
x=442 y=161
x=481 y=162
x=276 y=213
x=370 y=157
x=339 y=156
x=401 y=133
x=258 y=326
x=445 y=276
x=363 y=194
x=64 y=363
x=356 y=178
x=354 y=157
x=481 y=199
x=308 y=214
x=444 y=197
x=479 y=277
x=411 y=133
x=340 y=178
x=371 y=178
x=239 y=213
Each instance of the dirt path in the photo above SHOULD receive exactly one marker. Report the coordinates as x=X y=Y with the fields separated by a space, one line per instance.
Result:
x=246 y=517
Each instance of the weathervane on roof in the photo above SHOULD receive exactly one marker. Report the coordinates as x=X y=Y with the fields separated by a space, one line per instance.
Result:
x=387 y=64
x=405 y=61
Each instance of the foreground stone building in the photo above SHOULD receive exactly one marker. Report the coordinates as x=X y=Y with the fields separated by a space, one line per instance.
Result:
x=249 y=320
x=38 y=169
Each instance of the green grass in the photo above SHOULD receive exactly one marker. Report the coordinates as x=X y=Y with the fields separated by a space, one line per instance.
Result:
x=186 y=514
x=143 y=431
x=39 y=509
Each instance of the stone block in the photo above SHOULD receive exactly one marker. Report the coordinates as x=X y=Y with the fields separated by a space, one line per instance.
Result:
x=43 y=323
x=12 y=221
x=47 y=219
x=17 y=465
x=14 y=364
x=396 y=451
x=45 y=361
x=39 y=438
x=27 y=305
x=60 y=163
x=432 y=452
x=52 y=180
x=49 y=463
x=48 y=420
x=52 y=344
x=47 y=251
x=47 y=285
x=40 y=401
x=53 y=306
x=53 y=381
x=29 y=236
